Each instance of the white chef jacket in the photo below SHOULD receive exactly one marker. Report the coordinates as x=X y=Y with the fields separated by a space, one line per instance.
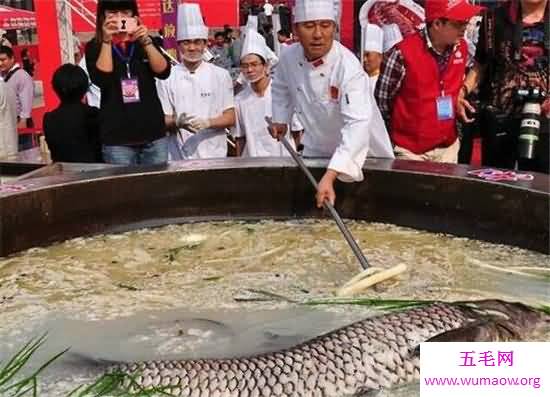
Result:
x=251 y=110
x=295 y=124
x=8 y=121
x=206 y=93
x=333 y=102
x=372 y=83
x=93 y=96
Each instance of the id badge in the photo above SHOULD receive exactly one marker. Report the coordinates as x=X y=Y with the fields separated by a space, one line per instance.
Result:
x=445 y=108
x=130 y=90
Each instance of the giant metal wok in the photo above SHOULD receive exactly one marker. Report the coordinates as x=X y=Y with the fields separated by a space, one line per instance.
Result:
x=57 y=205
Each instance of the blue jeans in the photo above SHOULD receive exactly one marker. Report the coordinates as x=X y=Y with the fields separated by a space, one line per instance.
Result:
x=25 y=142
x=155 y=152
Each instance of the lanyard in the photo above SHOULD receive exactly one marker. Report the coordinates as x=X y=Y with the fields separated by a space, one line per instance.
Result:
x=124 y=59
x=442 y=73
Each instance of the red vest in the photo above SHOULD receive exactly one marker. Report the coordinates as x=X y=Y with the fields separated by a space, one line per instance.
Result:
x=414 y=123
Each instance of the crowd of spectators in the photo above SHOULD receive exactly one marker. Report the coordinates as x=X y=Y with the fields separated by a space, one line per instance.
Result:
x=434 y=89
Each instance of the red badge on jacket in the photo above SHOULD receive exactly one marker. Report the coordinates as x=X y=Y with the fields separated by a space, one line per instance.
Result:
x=334 y=92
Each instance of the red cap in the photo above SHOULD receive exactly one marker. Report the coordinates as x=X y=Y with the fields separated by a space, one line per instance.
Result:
x=456 y=10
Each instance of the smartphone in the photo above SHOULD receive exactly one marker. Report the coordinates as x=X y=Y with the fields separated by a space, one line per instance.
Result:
x=127 y=25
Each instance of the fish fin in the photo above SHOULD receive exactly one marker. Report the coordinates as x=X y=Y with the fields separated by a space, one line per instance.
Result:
x=415 y=351
x=478 y=331
x=89 y=361
x=366 y=392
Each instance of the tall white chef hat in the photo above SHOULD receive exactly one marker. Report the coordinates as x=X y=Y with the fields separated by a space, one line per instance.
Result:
x=392 y=36
x=190 y=23
x=254 y=43
x=373 y=37
x=314 y=10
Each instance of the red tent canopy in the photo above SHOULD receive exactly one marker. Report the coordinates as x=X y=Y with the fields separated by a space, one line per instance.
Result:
x=14 y=18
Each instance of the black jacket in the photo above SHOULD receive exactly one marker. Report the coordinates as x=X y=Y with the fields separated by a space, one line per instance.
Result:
x=132 y=123
x=71 y=131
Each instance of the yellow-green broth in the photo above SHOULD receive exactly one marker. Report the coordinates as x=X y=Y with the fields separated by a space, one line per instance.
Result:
x=208 y=270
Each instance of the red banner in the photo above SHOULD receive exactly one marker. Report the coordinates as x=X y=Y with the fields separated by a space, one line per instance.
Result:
x=169 y=25
x=218 y=13
x=149 y=11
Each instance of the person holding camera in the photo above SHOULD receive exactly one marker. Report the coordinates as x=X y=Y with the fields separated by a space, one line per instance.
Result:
x=123 y=62
x=198 y=98
x=420 y=79
x=511 y=72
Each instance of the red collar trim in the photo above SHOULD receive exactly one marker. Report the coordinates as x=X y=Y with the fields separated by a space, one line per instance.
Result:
x=317 y=63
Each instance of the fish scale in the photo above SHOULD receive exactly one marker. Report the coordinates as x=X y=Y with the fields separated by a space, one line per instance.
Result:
x=350 y=361
x=368 y=354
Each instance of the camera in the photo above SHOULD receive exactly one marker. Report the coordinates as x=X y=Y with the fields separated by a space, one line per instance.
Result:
x=529 y=129
x=127 y=25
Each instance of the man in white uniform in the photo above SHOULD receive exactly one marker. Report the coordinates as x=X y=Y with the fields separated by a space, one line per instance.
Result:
x=324 y=82
x=253 y=104
x=8 y=121
x=372 y=53
x=197 y=98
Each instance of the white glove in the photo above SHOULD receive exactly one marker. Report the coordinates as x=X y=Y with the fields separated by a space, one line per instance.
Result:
x=198 y=123
x=182 y=121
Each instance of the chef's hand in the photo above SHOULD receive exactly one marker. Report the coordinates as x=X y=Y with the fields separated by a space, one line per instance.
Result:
x=325 y=188
x=198 y=123
x=184 y=121
x=277 y=130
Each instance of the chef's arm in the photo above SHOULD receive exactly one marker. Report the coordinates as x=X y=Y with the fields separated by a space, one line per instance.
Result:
x=281 y=100
x=225 y=120
x=357 y=109
x=170 y=123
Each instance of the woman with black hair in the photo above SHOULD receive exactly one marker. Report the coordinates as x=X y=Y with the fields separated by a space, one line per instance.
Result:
x=71 y=130
x=123 y=62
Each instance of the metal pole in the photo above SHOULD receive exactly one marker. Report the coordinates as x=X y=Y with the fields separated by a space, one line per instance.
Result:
x=341 y=225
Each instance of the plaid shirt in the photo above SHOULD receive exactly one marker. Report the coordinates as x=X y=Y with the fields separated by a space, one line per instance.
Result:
x=393 y=73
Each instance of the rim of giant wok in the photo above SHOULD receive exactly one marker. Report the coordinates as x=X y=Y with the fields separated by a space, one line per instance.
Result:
x=57 y=204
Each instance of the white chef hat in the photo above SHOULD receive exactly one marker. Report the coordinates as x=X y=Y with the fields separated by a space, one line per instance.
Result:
x=314 y=10
x=252 y=22
x=254 y=43
x=190 y=23
x=392 y=36
x=373 y=37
